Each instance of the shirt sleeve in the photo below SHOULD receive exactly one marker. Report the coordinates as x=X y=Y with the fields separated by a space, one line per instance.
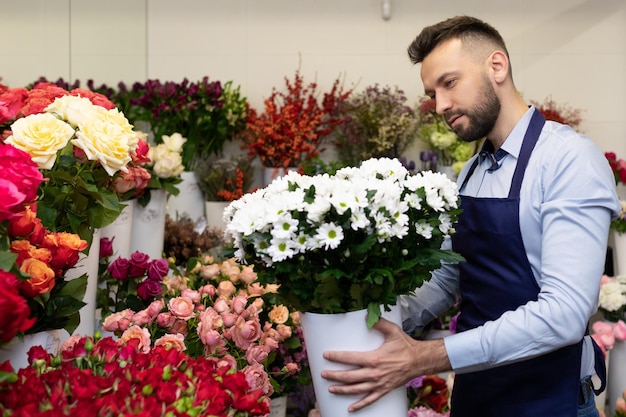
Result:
x=568 y=200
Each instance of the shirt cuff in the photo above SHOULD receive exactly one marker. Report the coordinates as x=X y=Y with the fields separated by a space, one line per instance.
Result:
x=465 y=351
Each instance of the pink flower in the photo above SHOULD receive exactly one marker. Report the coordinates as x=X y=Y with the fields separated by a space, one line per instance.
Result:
x=138 y=264
x=143 y=317
x=118 y=322
x=209 y=271
x=141 y=334
x=257 y=354
x=247 y=275
x=166 y=320
x=155 y=307
x=181 y=307
x=194 y=295
x=226 y=288
x=175 y=341
x=245 y=332
x=619 y=331
x=157 y=269
x=258 y=379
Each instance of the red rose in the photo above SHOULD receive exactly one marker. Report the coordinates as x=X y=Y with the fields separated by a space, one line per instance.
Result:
x=23 y=223
x=11 y=103
x=20 y=180
x=14 y=310
x=140 y=156
x=148 y=289
x=96 y=98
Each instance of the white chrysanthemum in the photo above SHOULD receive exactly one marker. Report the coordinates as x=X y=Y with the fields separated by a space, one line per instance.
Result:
x=318 y=209
x=286 y=227
x=612 y=296
x=329 y=235
x=382 y=224
x=281 y=249
x=359 y=220
x=445 y=223
x=424 y=229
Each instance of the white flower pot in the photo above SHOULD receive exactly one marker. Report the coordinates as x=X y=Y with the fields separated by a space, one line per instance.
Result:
x=619 y=246
x=214 y=211
x=189 y=202
x=120 y=231
x=148 y=231
x=347 y=331
x=278 y=407
x=616 y=374
x=16 y=351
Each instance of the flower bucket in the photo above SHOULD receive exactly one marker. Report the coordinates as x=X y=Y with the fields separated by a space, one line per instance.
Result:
x=619 y=243
x=148 y=231
x=347 y=331
x=278 y=407
x=16 y=351
x=189 y=202
x=271 y=173
x=88 y=264
x=120 y=231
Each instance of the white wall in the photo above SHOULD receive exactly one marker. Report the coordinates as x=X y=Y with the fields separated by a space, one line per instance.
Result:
x=572 y=50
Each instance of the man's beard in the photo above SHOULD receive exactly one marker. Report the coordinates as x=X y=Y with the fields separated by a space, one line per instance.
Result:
x=482 y=118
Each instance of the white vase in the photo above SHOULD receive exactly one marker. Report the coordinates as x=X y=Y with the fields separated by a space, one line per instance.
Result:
x=272 y=173
x=214 y=211
x=619 y=252
x=88 y=264
x=189 y=202
x=616 y=374
x=120 y=231
x=16 y=351
x=347 y=331
x=148 y=228
x=278 y=406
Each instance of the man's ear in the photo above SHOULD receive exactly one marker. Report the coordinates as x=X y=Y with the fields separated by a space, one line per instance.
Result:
x=498 y=63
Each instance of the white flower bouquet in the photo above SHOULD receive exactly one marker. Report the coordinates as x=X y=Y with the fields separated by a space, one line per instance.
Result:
x=612 y=300
x=346 y=242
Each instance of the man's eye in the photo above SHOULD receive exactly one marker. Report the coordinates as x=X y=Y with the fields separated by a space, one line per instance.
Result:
x=450 y=83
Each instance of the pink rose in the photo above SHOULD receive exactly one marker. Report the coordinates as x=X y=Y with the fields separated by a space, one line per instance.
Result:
x=155 y=307
x=221 y=306
x=166 y=320
x=247 y=275
x=138 y=264
x=209 y=271
x=211 y=338
x=172 y=341
x=226 y=288
x=619 y=331
x=118 y=322
x=230 y=319
x=194 y=295
x=179 y=326
x=140 y=333
x=258 y=379
x=20 y=180
x=142 y=318
x=208 y=289
x=181 y=307
x=257 y=354
x=211 y=319
x=239 y=304
x=245 y=332
x=284 y=331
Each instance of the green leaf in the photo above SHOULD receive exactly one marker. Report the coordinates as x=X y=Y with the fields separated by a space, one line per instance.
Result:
x=7 y=260
x=373 y=314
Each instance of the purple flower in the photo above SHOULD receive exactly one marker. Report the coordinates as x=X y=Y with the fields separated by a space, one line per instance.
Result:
x=119 y=269
x=157 y=269
x=148 y=289
x=138 y=264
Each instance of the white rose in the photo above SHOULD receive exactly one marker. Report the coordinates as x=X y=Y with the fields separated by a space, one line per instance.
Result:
x=174 y=142
x=169 y=165
x=41 y=136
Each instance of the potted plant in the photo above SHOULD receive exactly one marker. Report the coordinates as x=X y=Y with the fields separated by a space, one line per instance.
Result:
x=378 y=123
x=348 y=243
x=222 y=181
x=293 y=124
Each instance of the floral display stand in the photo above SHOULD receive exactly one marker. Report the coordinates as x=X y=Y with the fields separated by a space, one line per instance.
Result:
x=347 y=331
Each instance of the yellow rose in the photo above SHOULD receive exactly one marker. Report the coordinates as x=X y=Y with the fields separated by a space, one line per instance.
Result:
x=73 y=109
x=41 y=136
x=106 y=141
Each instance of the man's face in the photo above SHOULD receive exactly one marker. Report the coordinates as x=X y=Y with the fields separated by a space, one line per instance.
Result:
x=462 y=90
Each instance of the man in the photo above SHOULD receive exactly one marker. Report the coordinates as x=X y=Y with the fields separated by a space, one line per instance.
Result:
x=537 y=203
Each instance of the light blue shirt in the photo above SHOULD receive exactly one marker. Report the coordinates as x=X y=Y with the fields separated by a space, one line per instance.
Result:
x=567 y=200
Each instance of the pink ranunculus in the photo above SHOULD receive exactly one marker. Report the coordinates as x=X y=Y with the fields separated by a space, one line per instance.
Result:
x=157 y=269
x=181 y=307
x=140 y=333
x=138 y=264
x=245 y=332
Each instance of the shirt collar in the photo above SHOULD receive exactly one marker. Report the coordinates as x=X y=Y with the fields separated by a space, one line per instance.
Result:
x=513 y=143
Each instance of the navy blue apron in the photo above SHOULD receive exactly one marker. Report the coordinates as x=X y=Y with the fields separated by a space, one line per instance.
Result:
x=496 y=278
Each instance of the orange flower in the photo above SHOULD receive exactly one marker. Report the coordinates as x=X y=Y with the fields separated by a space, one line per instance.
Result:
x=65 y=248
x=41 y=280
